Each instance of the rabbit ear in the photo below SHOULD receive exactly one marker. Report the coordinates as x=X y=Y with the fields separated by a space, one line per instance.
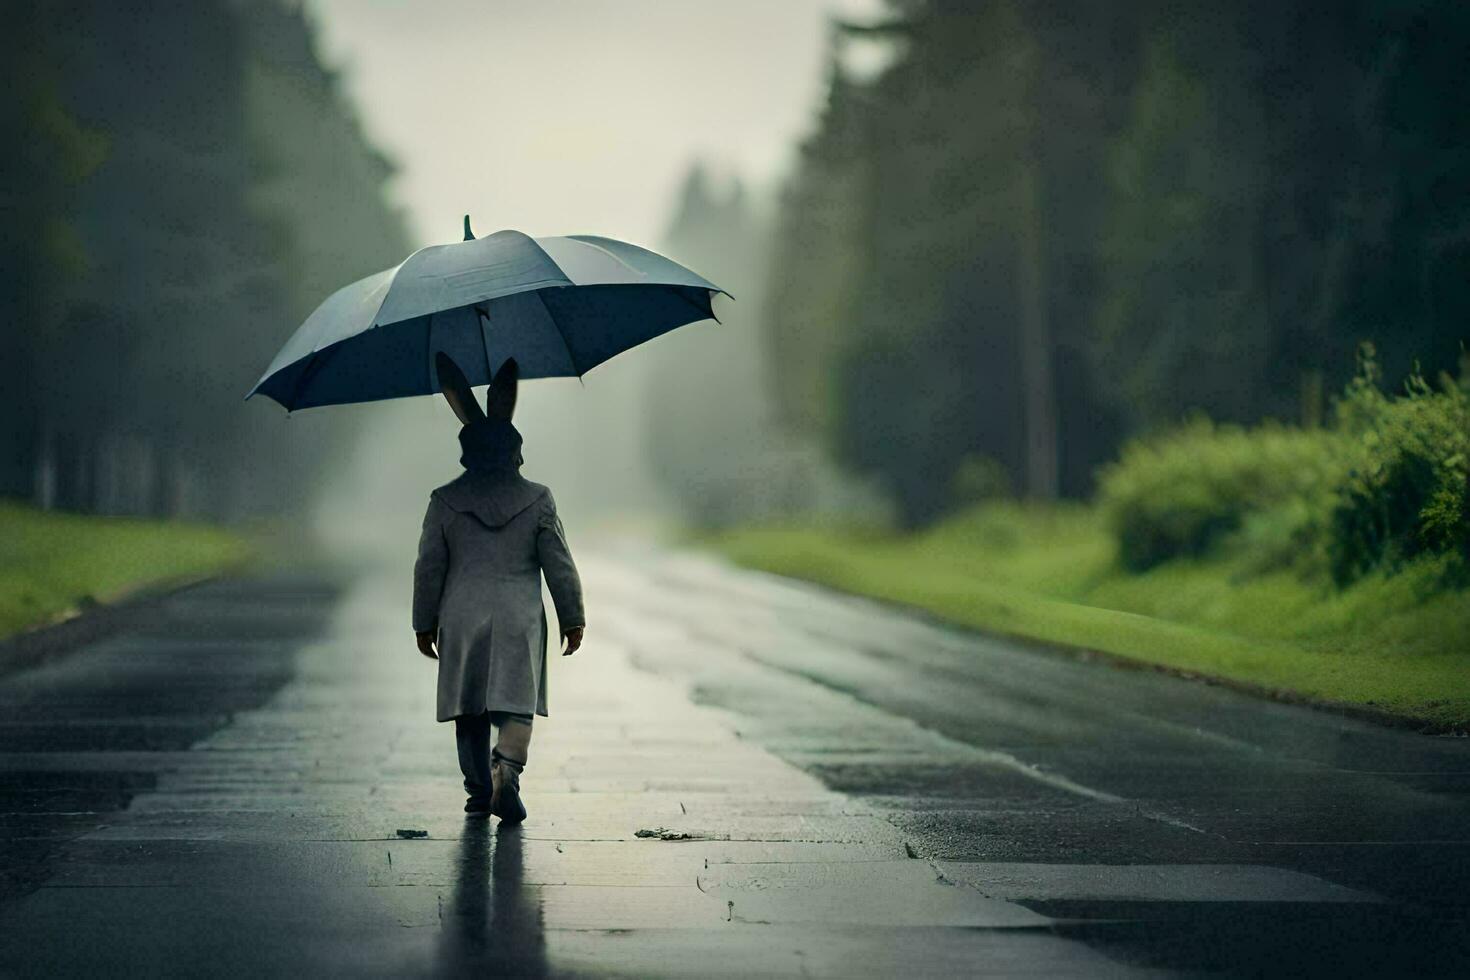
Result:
x=456 y=388
x=500 y=400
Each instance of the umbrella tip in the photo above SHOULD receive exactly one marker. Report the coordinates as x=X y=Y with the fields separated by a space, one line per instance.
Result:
x=469 y=236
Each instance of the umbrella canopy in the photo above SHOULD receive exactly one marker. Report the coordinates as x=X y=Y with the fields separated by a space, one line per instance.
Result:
x=559 y=305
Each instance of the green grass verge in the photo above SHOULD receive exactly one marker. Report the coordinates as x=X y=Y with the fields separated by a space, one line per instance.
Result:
x=51 y=562
x=1395 y=644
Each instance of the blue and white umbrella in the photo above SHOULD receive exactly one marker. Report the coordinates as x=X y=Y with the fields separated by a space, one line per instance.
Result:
x=559 y=305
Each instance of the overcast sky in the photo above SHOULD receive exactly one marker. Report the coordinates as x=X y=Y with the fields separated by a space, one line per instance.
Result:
x=567 y=116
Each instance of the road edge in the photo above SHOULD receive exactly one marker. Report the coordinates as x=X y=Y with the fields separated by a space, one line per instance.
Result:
x=83 y=624
x=1386 y=719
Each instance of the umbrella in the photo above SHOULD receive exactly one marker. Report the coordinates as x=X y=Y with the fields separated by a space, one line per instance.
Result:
x=559 y=305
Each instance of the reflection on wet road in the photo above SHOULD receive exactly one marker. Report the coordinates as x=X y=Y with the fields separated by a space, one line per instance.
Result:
x=492 y=922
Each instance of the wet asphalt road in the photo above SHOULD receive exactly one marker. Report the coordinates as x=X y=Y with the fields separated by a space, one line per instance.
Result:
x=984 y=751
x=112 y=713
x=1164 y=824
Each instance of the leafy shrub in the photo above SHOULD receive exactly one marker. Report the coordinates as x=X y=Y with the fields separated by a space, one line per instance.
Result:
x=979 y=478
x=1406 y=490
x=1178 y=493
x=1390 y=481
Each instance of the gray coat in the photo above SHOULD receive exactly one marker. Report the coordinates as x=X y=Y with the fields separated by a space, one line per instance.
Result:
x=487 y=539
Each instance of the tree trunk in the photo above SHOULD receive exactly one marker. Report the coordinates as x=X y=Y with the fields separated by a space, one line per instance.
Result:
x=1038 y=382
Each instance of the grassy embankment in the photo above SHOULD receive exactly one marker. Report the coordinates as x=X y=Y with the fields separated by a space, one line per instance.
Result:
x=51 y=562
x=1395 y=643
x=1330 y=561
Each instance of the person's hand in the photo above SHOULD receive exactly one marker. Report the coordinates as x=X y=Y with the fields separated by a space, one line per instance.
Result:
x=427 y=641
x=573 y=638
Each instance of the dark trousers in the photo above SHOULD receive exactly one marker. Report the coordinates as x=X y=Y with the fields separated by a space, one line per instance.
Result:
x=472 y=739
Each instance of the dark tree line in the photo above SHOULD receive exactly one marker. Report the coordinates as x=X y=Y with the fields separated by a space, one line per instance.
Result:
x=1048 y=225
x=183 y=182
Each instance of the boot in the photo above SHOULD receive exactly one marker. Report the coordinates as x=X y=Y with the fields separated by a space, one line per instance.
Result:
x=472 y=740
x=511 y=750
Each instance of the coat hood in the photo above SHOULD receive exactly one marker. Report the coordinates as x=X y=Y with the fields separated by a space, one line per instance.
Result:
x=491 y=498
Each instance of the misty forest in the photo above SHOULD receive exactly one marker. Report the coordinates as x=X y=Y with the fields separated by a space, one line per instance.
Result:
x=1164 y=286
x=160 y=244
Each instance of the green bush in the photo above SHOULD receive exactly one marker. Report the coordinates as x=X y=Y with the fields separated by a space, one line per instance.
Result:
x=1388 y=482
x=1406 y=491
x=977 y=479
x=1179 y=493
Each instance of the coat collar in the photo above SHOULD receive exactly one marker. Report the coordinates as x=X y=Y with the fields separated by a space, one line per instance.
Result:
x=492 y=498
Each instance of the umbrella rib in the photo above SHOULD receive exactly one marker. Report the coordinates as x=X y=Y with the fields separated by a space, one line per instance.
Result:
x=709 y=314
x=537 y=293
x=482 y=317
x=312 y=363
x=557 y=327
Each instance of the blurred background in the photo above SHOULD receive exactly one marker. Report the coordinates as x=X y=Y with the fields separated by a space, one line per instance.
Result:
x=1202 y=271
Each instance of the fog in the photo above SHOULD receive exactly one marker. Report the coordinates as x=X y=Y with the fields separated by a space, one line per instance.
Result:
x=955 y=279
x=568 y=118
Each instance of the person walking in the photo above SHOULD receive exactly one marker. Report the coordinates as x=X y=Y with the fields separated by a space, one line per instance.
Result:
x=488 y=537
